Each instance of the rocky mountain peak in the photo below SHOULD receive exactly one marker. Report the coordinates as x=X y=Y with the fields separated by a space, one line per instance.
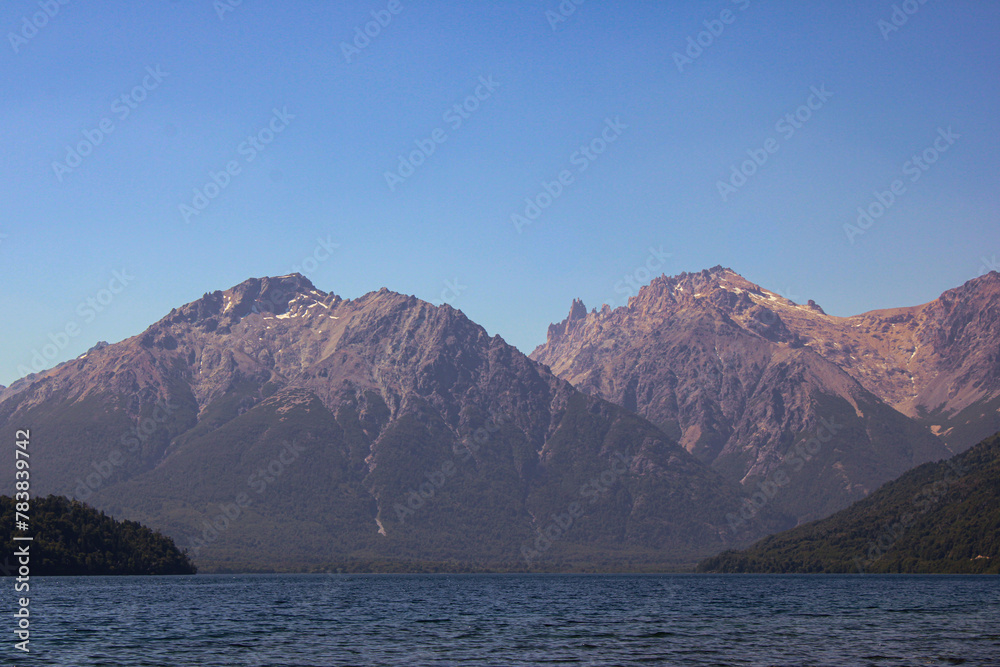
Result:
x=714 y=292
x=984 y=286
x=719 y=287
x=708 y=282
x=271 y=295
x=577 y=314
x=275 y=295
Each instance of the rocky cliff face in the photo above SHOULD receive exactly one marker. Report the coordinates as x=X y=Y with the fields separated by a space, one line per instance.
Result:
x=276 y=425
x=742 y=376
x=938 y=363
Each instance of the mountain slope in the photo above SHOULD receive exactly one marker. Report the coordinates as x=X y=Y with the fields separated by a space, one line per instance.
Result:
x=938 y=362
x=273 y=425
x=940 y=517
x=728 y=369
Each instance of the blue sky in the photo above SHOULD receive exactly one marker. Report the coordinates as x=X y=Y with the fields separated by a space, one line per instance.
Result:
x=309 y=190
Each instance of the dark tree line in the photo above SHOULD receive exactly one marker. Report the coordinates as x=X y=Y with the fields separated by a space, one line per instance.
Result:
x=71 y=538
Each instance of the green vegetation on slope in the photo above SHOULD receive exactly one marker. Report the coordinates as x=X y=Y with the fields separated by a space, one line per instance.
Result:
x=938 y=518
x=71 y=538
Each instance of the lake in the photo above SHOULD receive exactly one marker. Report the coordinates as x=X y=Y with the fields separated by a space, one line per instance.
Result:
x=414 y=620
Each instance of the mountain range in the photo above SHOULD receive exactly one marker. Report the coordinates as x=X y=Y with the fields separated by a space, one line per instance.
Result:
x=273 y=425
x=276 y=426
x=812 y=411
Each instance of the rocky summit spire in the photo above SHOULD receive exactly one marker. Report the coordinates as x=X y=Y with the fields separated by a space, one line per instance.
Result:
x=577 y=313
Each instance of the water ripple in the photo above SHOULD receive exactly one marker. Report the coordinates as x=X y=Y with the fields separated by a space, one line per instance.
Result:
x=438 y=620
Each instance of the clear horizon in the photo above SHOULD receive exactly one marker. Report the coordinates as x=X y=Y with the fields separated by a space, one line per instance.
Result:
x=505 y=158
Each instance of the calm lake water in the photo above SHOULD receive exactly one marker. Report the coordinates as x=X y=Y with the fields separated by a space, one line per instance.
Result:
x=510 y=620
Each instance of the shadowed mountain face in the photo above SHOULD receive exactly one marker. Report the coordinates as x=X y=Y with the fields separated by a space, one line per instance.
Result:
x=818 y=410
x=274 y=425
